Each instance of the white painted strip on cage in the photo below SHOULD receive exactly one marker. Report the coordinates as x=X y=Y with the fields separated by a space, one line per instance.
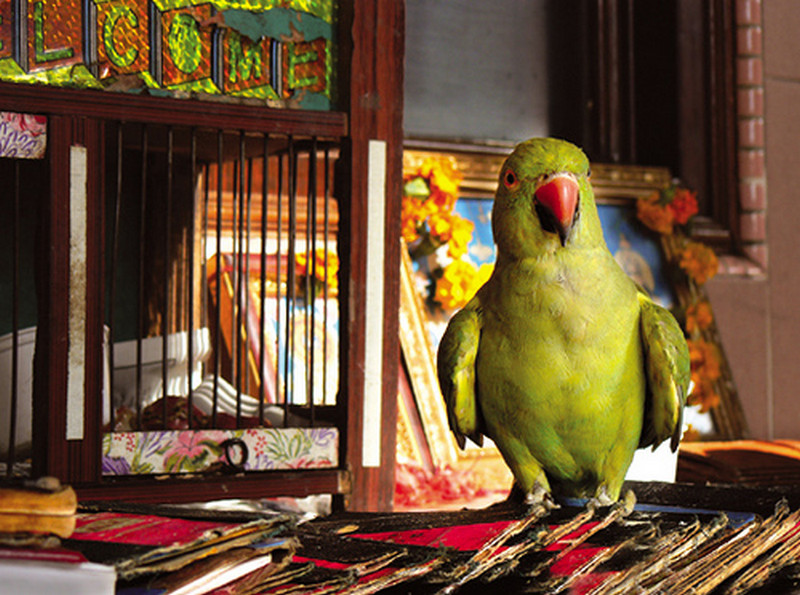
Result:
x=76 y=354
x=373 y=341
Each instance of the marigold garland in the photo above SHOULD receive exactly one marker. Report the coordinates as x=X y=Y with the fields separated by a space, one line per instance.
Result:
x=665 y=212
x=662 y=210
x=706 y=370
x=428 y=221
x=653 y=214
x=429 y=196
x=322 y=274
x=699 y=317
x=459 y=282
x=699 y=262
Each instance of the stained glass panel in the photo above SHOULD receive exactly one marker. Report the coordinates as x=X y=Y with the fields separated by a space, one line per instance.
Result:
x=278 y=51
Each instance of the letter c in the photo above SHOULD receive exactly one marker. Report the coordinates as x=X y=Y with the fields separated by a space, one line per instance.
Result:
x=109 y=26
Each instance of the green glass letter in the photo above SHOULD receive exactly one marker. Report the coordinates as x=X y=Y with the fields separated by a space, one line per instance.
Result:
x=184 y=42
x=42 y=55
x=244 y=63
x=295 y=60
x=114 y=15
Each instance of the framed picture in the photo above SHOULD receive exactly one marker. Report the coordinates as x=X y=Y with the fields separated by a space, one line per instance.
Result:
x=638 y=252
x=647 y=257
x=298 y=333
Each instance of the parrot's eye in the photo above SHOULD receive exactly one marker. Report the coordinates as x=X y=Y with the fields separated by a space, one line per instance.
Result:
x=510 y=179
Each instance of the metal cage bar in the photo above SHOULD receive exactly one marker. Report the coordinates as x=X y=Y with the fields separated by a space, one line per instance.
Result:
x=14 y=392
x=198 y=192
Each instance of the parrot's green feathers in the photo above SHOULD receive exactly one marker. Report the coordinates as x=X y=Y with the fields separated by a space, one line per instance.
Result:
x=456 y=369
x=559 y=359
x=540 y=157
x=522 y=228
x=668 y=374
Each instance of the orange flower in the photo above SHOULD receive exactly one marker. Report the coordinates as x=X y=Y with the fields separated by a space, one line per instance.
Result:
x=441 y=201
x=683 y=205
x=699 y=262
x=453 y=286
x=704 y=395
x=451 y=229
x=460 y=235
x=442 y=173
x=654 y=215
x=412 y=215
x=436 y=182
x=322 y=274
x=459 y=282
x=705 y=361
x=698 y=317
x=441 y=226
x=429 y=196
x=706 y=371
x=704 y=358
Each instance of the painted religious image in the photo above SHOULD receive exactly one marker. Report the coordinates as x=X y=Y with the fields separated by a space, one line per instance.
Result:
x=638 y=253
x=280 y=52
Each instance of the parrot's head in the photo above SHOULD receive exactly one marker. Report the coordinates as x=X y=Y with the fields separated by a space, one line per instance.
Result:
x=544 y=201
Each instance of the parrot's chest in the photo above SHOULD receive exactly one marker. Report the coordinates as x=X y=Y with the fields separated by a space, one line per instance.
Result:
x=557 y=312
x=561 y=381
x=558 y=348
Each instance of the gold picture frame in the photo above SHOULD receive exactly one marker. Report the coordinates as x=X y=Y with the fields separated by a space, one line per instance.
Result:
x=424 y=436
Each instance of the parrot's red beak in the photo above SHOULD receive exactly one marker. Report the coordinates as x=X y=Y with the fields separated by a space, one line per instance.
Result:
x=559 y=196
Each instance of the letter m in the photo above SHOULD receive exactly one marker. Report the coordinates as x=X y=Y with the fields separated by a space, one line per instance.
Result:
x=244 y=63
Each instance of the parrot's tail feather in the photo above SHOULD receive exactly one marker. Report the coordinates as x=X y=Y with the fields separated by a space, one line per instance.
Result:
x=460 y=440
x=676 y=435
x=477 y=438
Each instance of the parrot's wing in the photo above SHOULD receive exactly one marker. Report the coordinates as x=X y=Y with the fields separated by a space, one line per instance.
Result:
x=455 y=361
x=667 y=368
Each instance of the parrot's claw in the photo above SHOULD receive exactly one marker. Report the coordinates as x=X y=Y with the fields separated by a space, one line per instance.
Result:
x=601 y=498
x=540 y=496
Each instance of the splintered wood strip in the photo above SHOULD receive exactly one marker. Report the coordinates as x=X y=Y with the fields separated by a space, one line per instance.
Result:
x=743 y=548
x=176 y=556
x=595 y=561
x=490 y=548
x=619 y=510
x=506 y=561
x=491 y=555
x=322 y=588
x=776 y=530
x=393 y=578
x=355 y=580
x=375 y=564
x=709 y=562
x=260 y=581
x=669 y=552
x=546 y=538
x=787 y=553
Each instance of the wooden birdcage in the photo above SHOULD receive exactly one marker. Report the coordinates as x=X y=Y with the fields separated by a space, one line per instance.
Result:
x=196 y=274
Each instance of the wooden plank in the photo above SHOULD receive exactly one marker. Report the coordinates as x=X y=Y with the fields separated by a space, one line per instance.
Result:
x=142 y=108
x=198 y=488
x=52 y=271
x=371 y=55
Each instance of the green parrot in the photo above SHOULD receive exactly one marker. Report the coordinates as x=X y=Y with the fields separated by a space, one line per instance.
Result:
x=560 y=358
